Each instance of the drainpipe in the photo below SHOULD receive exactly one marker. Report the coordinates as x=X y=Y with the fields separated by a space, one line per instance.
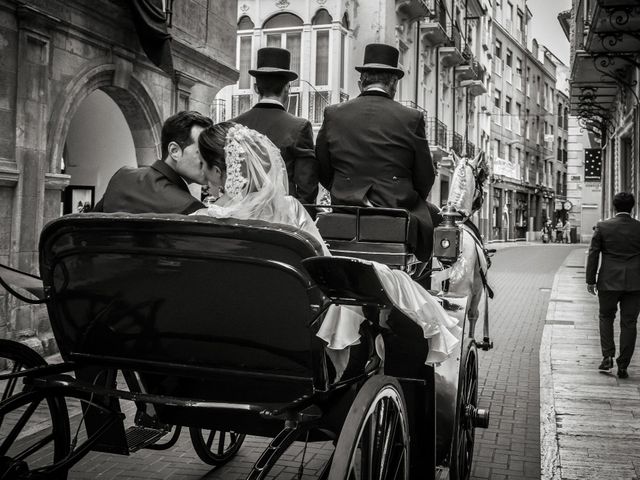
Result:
x=417 y=60
x=437 y=91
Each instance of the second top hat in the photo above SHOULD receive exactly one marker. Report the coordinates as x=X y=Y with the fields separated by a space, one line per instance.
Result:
x=381 y=57
x=274 y=61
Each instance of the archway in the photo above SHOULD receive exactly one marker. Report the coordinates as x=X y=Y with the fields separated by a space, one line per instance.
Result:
x=98 y=143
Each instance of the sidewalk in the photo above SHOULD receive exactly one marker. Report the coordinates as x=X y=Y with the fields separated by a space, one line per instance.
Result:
x=590 y=420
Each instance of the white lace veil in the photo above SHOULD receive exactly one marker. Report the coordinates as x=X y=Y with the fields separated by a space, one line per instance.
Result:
x=257 y=181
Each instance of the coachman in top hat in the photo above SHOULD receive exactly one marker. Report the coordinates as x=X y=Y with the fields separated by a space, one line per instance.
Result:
x=372 y=151
x=291 y=134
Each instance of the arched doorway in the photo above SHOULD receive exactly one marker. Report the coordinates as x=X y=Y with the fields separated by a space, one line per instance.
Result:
x=98 y=143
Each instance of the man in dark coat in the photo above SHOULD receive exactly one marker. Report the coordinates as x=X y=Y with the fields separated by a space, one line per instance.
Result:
x=163 y=186
x=617 y=242
x=291 y=134
x=372 y=151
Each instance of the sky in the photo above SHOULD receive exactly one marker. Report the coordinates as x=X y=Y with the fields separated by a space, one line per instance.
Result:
x=545 y=27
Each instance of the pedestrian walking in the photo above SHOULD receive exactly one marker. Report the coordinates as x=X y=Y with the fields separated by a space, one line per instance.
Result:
x=617 y=242
x=567 y=231
x=559 y=231
x=546 y=232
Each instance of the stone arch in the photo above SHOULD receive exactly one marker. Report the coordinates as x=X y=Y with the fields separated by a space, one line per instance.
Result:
x=137 y=106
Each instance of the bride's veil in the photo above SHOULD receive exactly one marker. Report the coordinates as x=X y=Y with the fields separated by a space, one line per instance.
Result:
x=257 y=179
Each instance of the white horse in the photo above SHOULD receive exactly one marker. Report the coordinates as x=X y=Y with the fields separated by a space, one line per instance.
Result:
x=469 y=272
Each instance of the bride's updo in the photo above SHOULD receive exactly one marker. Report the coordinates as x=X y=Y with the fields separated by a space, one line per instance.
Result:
x=211 y=144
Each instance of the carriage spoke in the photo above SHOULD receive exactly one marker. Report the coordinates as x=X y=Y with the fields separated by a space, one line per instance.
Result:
x=17 y=428
x=221 y=443
x=212 y=434
x=11 y=383
x=389 y=443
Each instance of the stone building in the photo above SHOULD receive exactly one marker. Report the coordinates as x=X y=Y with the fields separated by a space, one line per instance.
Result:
x=605 y=97
x=524 y=129
x=79 y=99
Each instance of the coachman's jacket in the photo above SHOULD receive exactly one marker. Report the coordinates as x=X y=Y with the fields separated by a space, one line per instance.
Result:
x=373 y=149
x=294 y=137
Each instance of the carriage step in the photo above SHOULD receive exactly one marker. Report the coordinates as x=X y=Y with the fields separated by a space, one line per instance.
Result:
x=140 y=437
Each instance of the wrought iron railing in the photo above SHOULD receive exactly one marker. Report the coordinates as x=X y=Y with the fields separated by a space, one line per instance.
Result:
x=344 y=97
x=240 y=104
x=456 y=142
x=439 y=12
x=471 y=150
x=456 y=37
x=414 y=105
x=436 y=132
x=317 y=103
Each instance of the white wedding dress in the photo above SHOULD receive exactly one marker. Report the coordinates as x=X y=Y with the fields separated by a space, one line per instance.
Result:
x=262 y=194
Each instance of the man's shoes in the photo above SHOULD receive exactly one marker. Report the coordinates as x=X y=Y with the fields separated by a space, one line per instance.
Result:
x=622 y=373
x=607 y=363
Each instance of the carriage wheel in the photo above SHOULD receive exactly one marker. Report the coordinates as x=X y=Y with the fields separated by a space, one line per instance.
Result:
x=19 y=417
x=464 y=434
x=214 y=451
x=374 y=441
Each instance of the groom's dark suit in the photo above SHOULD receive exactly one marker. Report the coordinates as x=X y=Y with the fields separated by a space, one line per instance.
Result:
x=294 y=137
x=617 y=241
x=153 y=189
x=373 y=150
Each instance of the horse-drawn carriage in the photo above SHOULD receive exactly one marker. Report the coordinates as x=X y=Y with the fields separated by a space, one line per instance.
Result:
x=213 y=326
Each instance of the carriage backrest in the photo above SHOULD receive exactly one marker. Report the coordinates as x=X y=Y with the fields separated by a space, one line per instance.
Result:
x=159 y=291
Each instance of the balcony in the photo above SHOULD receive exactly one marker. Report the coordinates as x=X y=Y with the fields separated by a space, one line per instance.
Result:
x=240 y=104
x=434 y=30
x=470 y=149
x=451 y=55
x=412 y=10
x=470 y=70
x=456 y=142
x=317 y=103
x=474 y=87
x=415 y=106
x=436 y=133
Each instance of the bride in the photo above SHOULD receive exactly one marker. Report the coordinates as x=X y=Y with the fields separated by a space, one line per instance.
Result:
x=246 y=170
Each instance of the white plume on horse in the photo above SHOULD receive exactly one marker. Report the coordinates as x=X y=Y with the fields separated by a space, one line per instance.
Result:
x=467 y=183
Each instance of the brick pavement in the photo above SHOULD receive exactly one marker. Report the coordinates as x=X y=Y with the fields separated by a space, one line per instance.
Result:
x=522 y=277
x=590 y=419
x=509 y=384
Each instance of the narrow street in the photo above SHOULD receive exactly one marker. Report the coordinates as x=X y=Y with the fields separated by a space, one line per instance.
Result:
x=509 y=376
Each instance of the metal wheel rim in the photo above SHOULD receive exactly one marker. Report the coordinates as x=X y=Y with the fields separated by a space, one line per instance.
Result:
x=374 y=436
x=466 y=431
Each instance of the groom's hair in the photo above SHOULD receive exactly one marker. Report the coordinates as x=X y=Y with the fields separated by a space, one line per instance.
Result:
x=623 y=202
x=177 y=128
x=211 y=144
x=271 y=85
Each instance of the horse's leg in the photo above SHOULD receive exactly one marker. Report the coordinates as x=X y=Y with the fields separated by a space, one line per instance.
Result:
x=476 y=295
x=468 y=281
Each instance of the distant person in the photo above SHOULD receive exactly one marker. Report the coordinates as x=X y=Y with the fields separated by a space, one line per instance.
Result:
x=292 y=135
x=547 y=232
x=163 y=186
x=567 y=231
x=559 y=231
x=80 y=207
x=617 y=242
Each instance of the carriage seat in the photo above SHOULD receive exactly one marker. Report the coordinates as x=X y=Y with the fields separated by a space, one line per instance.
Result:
x=384 y=235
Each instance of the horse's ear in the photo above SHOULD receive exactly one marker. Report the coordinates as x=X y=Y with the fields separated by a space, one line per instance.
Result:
x=456 y=159
x=477 y=160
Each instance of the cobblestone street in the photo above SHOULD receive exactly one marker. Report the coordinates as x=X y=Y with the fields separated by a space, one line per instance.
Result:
x=509 y=374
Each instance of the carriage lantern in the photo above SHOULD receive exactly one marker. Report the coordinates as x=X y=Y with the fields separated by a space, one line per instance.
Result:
x=447 y=237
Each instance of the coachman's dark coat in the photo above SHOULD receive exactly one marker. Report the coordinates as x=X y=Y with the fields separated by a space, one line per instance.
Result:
x=294 y=137
x=373 y=148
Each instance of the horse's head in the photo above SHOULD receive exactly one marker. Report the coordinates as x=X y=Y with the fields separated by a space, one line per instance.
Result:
x=467 y=194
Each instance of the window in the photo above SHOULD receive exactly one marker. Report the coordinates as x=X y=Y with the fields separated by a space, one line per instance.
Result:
x=497 y=101
x=244 y=61
x=498 y=49
x=322 y=57
x=245 y=23
x=289 y=37
x=507 y=105
x=509 y=57
x=519 y=66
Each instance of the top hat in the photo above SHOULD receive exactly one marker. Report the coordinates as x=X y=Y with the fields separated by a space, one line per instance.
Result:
x=274 y=61
x=381 y=57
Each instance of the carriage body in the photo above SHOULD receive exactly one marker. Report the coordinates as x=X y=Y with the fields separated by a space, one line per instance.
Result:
x=214 y=322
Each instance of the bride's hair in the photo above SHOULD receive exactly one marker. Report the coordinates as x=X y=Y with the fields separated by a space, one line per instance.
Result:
x=211 y=144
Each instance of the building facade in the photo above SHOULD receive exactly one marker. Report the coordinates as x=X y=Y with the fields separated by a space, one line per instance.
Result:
x=604 y=96
x=525 y=130
x=442 y=48
x=79 y=99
